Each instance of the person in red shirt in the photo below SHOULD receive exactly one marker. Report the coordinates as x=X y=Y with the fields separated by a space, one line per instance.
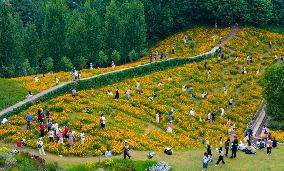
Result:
x=41 y=129
x=66 y=130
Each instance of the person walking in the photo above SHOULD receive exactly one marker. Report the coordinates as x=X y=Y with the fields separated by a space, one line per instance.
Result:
x=151 y=58
x=269 y=146
x=205 y=162
x=234 y=147
x=126 y=150
x=103 y=121
x=41 y=129
x=40 y=147
x=221 y=157
x=227 y=146
x=209 y=152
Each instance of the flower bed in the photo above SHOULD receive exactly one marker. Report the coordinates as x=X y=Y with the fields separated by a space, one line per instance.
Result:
x=134 y=120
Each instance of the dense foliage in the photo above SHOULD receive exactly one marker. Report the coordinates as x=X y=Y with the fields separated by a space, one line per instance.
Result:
x=273 y=82
x=44 y=35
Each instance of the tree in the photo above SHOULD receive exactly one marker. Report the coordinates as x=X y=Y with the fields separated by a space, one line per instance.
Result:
x=76 y=39
x=273 y=81
x=54 y=31
x=259 y=12
x=102 y=59
x=31 y=45
x=226 y=11
x=115 y=56
x=133 y=55
x=134 y=28
x=48 y=64
x=94 y=32
x=278 y=11
x=112 y=29
x=66 y=64
x=26 y=68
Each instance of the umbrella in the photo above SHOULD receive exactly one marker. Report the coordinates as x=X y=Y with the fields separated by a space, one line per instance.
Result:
x=29 y=117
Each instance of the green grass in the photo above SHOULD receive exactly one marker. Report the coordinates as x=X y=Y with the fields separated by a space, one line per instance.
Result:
x=10 y=93
x=192 y=160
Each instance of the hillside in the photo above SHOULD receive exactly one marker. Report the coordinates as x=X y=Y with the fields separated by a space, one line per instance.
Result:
x=134 y=119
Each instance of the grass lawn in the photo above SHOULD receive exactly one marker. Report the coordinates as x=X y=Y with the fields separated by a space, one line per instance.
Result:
x=10 y=93
x=192 y=160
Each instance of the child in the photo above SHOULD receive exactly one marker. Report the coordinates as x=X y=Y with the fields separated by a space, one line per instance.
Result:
x=221 y=157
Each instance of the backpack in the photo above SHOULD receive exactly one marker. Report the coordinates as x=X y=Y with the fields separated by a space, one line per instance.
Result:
x=39 y=145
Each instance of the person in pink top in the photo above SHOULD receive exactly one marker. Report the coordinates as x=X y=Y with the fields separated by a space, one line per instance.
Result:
x=60 y=137
x=41 y=129
x=170 y=127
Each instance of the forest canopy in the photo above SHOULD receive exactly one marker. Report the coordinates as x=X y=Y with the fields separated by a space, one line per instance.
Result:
x=51 y=35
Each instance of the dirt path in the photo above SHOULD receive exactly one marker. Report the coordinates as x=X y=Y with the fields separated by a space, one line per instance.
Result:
x=150 y=128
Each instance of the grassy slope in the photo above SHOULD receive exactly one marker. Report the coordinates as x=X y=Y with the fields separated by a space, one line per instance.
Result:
x=10 y=93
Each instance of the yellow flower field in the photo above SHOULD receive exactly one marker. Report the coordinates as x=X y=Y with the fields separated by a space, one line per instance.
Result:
x=201 y=36
x=134 y=120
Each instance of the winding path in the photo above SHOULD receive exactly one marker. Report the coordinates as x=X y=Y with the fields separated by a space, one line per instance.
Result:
x=233 y=32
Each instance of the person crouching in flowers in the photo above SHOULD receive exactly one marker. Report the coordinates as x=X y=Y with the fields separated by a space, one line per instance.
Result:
x=170 y=127
x=40 y=147
x=82 y=137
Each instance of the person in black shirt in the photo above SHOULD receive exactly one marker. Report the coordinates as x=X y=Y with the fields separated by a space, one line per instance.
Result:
x=227 y=145
x=234 y=147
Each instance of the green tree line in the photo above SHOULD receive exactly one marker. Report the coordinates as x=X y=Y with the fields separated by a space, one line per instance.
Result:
x=51 y=35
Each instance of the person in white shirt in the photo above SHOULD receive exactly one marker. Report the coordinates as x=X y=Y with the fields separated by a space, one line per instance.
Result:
x=170 y=78
x=82 y=137
x=209 y=116
x=222 y=111
x=184 y=88
x=40 y=147
x=160 y=84
x=112 y=64
x=4 y=121
x=127 y=93
x=192 y=113
x=56 y=81
x=103 y=121
x=36 y=79
x=91 y=65
x=203 y=95
x=109 y=93
x=56 y=129
x=157 y=117
x=214 y=38
x=209 y=73
x=108 y=153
